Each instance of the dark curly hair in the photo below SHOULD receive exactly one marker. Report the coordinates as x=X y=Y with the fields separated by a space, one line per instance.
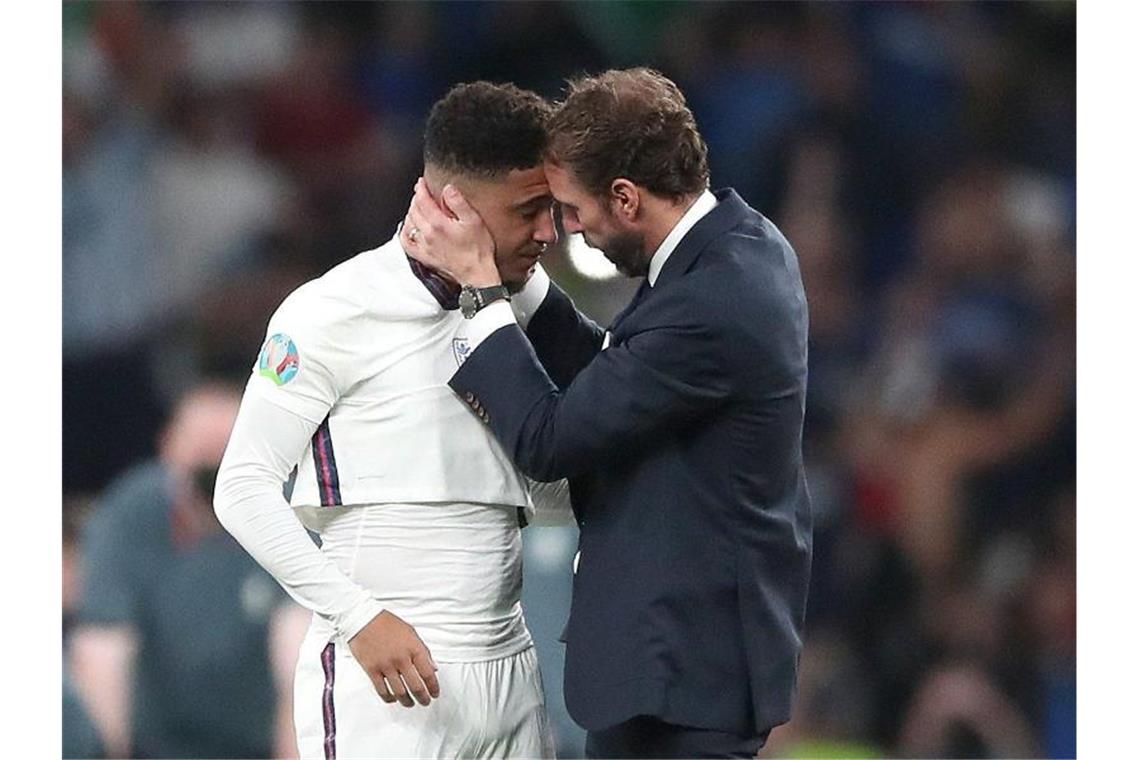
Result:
x=630 y=123
x=485 y=130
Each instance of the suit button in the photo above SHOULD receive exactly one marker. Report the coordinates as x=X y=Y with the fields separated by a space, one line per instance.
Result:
x=470 y=397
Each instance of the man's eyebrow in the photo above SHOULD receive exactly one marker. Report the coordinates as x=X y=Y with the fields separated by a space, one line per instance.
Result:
x=541 y=199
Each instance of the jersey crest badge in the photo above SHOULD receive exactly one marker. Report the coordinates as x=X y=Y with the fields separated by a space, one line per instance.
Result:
x=462 y=349
x=279 y=359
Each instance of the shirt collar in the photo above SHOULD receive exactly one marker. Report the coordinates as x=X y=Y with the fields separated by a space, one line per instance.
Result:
x=704 y=203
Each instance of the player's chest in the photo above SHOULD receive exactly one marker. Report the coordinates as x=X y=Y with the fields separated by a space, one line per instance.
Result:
x=406 y=359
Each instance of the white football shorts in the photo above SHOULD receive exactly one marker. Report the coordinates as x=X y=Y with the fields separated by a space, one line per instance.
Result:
x=490 y=709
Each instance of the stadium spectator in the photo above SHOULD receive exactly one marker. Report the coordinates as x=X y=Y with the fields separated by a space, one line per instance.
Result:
x=182 y=647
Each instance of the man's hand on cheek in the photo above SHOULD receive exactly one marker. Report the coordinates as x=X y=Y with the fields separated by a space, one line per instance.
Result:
x=450 y=237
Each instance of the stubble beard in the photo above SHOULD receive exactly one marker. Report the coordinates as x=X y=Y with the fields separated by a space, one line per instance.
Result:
x=626 y=251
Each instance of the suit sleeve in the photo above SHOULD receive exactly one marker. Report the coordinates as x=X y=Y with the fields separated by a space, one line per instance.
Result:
x=564 y=339
x=660 y=378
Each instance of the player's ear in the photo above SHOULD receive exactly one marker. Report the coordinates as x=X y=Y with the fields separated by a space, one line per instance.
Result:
x=625 y=198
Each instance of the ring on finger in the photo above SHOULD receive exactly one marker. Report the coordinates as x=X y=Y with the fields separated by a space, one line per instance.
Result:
x=413 y=234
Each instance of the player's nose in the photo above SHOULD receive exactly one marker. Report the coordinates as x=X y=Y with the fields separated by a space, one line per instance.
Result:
x=545 y=231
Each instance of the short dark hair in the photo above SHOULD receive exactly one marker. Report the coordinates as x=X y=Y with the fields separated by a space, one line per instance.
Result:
x=483 y=129
x=630 y=123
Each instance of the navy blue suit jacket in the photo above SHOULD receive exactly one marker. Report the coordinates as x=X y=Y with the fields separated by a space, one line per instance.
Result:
x=682 y=442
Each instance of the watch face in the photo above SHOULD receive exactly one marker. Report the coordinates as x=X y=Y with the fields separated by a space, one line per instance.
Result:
x=467 y=303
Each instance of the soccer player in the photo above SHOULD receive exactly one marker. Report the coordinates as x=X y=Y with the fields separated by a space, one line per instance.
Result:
x=416 y=587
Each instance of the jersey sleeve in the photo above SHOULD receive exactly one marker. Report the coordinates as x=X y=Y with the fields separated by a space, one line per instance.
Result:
x=267 y=440
x=304 y=360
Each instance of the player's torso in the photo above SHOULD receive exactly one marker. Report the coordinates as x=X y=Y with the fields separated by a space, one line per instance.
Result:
x=397 y=432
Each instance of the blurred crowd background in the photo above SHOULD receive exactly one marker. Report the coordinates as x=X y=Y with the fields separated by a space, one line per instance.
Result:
x=919 y=156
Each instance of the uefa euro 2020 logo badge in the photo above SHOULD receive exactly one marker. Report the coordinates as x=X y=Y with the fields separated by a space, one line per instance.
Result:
x=279 y=360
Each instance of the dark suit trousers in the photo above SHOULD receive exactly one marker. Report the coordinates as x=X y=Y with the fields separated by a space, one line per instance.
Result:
x=646 y=736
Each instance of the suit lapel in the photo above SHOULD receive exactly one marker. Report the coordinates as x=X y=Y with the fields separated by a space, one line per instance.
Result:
x=633 y=302
x=729 y=211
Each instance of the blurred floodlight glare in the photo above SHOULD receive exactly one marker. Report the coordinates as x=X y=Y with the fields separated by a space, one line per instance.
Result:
x=589 y=262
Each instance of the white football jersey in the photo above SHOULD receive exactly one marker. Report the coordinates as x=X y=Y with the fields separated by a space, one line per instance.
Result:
x=365 y=353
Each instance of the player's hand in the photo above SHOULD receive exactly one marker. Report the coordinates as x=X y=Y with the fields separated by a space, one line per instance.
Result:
x=450 y=237
x=397 y=661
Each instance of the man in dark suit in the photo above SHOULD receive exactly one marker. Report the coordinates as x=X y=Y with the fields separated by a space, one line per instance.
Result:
x=679 y=428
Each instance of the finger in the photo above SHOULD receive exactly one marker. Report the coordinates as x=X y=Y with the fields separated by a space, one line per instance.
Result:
x=418 y=221
x=410 y=223
x=419 y=247
x=415 y=684
x=426 y=208
x=454 y=202
x=396 y=684
x=383 y=690
x=430 y=202
x=406 y=231
x=427 y=668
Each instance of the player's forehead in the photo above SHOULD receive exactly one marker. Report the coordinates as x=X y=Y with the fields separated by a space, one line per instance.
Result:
x=525 y=186
x=515 y=189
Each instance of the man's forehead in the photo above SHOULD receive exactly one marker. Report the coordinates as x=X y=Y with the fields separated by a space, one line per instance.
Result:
x=561 y=179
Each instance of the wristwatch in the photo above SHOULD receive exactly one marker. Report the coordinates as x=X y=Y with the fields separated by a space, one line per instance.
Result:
x=472 y=299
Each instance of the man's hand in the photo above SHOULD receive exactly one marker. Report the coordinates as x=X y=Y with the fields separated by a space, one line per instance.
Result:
x=397 y=661
x=450 y=237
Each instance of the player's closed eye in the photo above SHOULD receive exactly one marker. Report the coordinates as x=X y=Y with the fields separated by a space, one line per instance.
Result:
x=530 y=213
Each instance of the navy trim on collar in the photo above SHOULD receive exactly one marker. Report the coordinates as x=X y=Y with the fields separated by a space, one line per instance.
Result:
x=444 y=292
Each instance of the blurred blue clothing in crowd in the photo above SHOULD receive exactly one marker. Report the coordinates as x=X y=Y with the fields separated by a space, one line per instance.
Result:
x=81 y=739
x=109 y=288
x=1061 y=713
x=111 y=301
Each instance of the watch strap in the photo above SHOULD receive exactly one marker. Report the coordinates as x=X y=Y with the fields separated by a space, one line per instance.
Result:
x=472 y=299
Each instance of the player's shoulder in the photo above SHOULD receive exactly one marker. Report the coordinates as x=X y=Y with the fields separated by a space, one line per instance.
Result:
x=334 y=300
x=358 y=286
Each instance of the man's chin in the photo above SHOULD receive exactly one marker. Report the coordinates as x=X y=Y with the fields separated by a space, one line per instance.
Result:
x=627 y=254
x=621 y=265
x=631 y=267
